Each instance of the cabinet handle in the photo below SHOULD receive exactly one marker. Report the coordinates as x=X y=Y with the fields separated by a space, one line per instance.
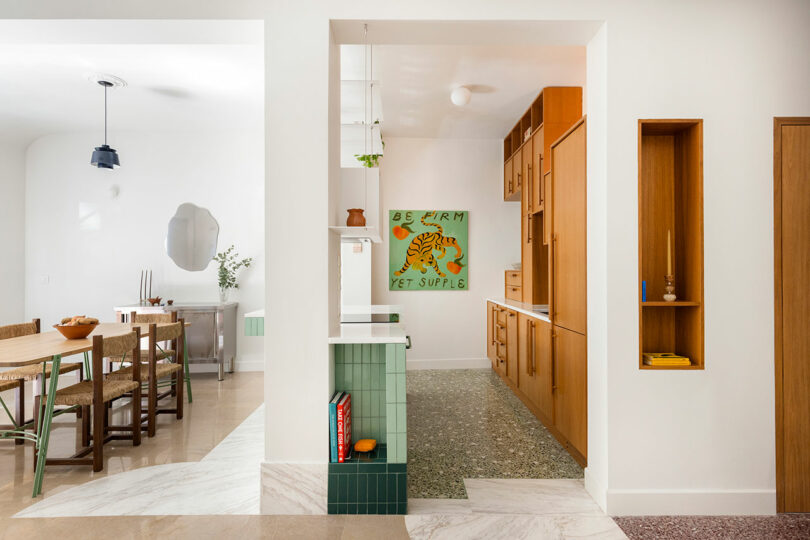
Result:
x=494 y=324
x=553 y=360
x=520 y=179
x=554 y=277
x=512 y=314
x=534 y=349
x=529 y=189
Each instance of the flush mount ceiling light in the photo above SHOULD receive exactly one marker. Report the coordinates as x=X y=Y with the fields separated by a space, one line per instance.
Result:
x=460 y=96
x=105 y=157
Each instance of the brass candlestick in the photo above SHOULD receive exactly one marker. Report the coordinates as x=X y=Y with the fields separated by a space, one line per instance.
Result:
x=670 y=288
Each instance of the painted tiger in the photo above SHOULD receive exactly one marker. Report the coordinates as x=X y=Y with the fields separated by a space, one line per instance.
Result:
x=419 y=254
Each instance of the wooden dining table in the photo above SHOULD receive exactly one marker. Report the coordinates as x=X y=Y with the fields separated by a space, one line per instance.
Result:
x=52 y=347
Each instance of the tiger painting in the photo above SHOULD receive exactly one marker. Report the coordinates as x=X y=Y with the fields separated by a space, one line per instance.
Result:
x=419 y=254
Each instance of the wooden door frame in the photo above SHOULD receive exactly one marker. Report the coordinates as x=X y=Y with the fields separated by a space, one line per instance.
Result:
x=778 y=123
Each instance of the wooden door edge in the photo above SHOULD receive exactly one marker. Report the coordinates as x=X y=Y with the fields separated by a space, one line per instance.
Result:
x=778 y=123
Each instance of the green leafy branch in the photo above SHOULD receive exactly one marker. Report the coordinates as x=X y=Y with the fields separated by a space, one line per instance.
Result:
x=228 y=265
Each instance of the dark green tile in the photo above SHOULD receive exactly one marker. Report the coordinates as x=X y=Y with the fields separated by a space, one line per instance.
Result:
x=402 y=508
x=382 y=484
x=372 y=488
x=362 y=508
x=402 y=487
x=343 y=508
x=382 y=508
x=352 y=497
x=397 y=467
x=352 y=509
x=372 y=468
x=392 y=487
x=392 y=508
x=343 y=488
x=332 y=508
x=332 y=493
x=362 y=488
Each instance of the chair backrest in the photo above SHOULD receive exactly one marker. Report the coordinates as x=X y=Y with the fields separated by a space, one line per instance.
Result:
x=125 y=344
x=149 y=318
x=169 y=332
x=18 y=330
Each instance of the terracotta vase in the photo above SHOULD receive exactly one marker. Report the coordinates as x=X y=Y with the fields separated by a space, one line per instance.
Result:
x=356 y=218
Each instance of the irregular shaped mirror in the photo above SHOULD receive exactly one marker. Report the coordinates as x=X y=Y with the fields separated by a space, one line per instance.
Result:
x=192 y=239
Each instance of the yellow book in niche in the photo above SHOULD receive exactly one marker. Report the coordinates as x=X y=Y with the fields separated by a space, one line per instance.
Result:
x=665 y=359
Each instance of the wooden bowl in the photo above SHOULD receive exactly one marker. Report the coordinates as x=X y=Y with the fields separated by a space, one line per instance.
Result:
x=155 y=301
x=75 y=332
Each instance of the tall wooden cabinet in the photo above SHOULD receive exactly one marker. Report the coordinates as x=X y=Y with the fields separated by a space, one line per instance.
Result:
x=545 y=361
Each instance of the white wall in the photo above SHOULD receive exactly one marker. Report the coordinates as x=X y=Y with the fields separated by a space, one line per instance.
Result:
x=449 y=174
x=85 y=248
x=12 y=233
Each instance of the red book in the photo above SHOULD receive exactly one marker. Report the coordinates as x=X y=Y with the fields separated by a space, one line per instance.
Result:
x=344 y=427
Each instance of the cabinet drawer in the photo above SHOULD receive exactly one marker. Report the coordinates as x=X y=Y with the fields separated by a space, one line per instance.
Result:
x=501 y=316
x=514 y=293
x=513 y=278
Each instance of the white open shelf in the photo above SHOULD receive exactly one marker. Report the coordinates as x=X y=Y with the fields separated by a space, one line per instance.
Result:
x=358 y=232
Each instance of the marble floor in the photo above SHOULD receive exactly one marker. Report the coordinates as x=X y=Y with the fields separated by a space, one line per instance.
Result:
x=468 y=424
x=217 y=410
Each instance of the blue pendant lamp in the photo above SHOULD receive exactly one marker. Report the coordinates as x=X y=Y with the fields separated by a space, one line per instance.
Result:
x=105 y=157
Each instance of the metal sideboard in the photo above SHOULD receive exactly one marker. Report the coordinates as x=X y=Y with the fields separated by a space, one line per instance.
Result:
x=211 y=338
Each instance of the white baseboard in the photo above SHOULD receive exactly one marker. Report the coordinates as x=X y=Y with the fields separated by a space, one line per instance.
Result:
x=252 y=362
x=756 y=502
x=447 y=363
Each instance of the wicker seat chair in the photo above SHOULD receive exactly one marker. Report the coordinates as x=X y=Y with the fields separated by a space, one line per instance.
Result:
x=93 y=395
x=153 y=370
x=17 y=377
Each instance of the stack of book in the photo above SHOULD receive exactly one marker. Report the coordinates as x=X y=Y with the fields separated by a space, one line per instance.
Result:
x=665 y=360
x=340 y=427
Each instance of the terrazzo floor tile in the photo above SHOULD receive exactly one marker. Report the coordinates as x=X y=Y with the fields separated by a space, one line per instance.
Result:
x=468 y=424
x=779 y=527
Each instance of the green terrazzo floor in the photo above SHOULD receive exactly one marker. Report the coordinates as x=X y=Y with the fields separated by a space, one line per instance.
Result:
x=466 y=423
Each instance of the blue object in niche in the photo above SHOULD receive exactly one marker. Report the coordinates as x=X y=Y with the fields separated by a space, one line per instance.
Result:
x=643 y=291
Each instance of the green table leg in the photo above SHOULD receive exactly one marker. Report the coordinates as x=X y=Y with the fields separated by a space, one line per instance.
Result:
x=185 y=367
x=44 y=433
x=88 y=373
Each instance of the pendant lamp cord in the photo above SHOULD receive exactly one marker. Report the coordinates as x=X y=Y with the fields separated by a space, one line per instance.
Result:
x=105 y=115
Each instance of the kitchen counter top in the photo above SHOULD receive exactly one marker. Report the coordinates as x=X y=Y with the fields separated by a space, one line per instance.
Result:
x=259 y=313
x=526 y=309
x=144 y=308
x=371 y=309
x=370 y=333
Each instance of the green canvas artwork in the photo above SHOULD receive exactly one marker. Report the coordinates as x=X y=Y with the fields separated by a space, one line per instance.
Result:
x=427 y=250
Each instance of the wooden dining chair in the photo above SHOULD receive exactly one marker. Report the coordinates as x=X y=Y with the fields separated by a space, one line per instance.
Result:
x=155 y=369
x=22 y=375
x=93 y=395
x=163 y=353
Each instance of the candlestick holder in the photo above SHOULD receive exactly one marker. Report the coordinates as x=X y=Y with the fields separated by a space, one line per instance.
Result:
x=670 y=288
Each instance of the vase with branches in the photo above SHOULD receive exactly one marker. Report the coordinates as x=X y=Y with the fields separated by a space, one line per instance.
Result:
x=229 y=264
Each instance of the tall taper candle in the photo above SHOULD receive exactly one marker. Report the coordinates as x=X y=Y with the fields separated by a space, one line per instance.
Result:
x=150 y=284
x=140 y=289
x=669 y=254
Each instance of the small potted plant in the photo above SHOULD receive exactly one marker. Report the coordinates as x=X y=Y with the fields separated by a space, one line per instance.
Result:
x=228 y=265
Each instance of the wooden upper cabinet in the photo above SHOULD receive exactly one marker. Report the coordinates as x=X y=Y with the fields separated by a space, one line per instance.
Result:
x=534 y=366
x=570 y=387
x=548 y=211
x=526 y=177
x=536 y=189
x=507 y=179
x=512 y=345
x=568 y=243
x=517 y=176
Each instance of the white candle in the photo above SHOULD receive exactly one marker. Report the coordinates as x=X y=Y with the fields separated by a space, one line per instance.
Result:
x=669 y=254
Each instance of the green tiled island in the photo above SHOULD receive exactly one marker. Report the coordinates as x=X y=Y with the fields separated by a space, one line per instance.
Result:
x=374 y=374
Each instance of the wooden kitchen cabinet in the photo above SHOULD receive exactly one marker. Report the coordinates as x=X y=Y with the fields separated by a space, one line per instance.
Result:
x=568 y=241
x=511 y=346
x=536 y=189
x=517 y=177
x=547 y=209
x=492 y=318
x=507 y=179
x=570 y=383
x=534 y=364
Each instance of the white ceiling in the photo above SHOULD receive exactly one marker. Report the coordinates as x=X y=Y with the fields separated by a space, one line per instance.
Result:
x=175 y=81
x=416 y=81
